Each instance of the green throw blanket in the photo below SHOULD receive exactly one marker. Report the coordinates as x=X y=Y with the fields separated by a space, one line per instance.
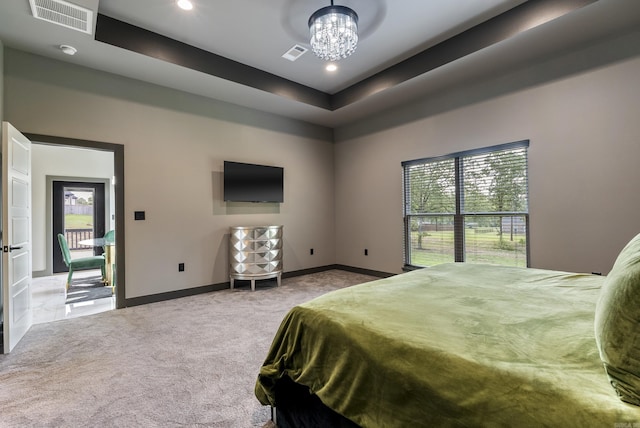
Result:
x=458 y=344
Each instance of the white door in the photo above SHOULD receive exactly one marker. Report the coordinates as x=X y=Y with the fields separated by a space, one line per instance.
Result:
x=16 y=235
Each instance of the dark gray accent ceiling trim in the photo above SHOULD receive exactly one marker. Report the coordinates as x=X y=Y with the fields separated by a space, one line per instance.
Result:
x=136 y=39
x=510 y=23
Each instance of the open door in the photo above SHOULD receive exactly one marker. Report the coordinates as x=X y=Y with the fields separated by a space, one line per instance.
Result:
x=16 y=235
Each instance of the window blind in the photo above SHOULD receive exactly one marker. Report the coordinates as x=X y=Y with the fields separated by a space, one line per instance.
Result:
x=468 y=206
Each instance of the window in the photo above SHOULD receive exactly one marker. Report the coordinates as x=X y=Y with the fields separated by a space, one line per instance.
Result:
x=468 y=207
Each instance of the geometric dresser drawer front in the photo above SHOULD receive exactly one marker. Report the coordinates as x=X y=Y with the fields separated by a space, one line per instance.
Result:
x=239 y=245
x=266 y=233
x=267 y=244
x=267 y=256
x=274 y=266
x=255 y=253
x=243 y=257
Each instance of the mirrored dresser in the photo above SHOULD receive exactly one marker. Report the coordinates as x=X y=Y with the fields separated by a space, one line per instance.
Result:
x=255 y=253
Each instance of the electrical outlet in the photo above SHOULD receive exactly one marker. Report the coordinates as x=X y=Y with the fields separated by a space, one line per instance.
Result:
x=366 y=252
x=311 y=251
x=180 y=267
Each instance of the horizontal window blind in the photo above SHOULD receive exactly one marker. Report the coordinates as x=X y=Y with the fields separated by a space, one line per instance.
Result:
x=495 y=182
x=468 y=206
x=430 y=188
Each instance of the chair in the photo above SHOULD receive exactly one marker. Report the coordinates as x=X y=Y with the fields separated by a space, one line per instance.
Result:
x=81 y=263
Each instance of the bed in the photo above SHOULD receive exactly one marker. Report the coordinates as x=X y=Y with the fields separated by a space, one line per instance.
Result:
x=463 y=344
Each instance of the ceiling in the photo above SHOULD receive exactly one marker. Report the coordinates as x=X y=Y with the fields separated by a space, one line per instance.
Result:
x=232 y=51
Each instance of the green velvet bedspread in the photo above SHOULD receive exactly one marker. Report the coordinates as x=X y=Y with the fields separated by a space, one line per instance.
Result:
x=458 y=344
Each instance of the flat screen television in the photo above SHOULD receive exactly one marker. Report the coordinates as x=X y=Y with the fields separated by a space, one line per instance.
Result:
x=245 y=182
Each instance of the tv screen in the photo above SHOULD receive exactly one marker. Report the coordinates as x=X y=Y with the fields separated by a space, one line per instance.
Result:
x=245 y=182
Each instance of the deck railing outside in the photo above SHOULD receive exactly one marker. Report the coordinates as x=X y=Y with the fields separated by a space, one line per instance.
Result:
x=76 y=235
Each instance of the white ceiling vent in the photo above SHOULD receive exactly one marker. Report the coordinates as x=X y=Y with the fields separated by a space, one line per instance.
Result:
x=63 y=13
x=294 y=53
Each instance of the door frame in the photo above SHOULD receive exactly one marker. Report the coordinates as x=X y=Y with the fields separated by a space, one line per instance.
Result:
x=56 y=212
x=119 y=188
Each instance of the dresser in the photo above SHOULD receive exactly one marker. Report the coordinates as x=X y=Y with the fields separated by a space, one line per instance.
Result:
x=255 y=252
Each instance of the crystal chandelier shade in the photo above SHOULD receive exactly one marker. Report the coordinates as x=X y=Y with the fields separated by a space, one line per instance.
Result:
x=334 y=32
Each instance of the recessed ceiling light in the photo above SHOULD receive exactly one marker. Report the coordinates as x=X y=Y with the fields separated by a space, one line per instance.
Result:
x=185 y=4
x=69 y=50
x=331 y=67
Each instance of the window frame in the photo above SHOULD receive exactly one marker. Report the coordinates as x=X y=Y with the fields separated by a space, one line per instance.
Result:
x=459 y=215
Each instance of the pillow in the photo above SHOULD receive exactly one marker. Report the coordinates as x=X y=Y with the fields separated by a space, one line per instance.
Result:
x=617 y=323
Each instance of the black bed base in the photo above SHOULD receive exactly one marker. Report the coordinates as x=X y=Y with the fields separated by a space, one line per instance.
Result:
x=298 y=408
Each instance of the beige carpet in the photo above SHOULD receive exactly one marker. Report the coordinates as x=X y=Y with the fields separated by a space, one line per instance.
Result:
x=189 y=362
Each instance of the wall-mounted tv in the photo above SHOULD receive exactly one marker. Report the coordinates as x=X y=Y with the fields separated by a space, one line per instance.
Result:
x=245 y=182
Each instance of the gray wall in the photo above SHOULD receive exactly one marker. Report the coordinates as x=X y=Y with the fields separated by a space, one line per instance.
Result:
x=580 y=113
x=175 y=145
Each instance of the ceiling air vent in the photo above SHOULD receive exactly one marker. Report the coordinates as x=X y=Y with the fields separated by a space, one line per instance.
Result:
x=294 y=53
x=63 y=13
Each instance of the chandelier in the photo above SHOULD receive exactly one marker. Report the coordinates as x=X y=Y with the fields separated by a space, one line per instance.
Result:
x=334 y=32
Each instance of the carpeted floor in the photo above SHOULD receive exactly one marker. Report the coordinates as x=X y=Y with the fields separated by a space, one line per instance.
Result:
x=186 y=362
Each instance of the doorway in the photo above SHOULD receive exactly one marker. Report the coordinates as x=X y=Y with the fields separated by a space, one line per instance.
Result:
x=116 y=219
x=114 y=204
x=78 y=210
